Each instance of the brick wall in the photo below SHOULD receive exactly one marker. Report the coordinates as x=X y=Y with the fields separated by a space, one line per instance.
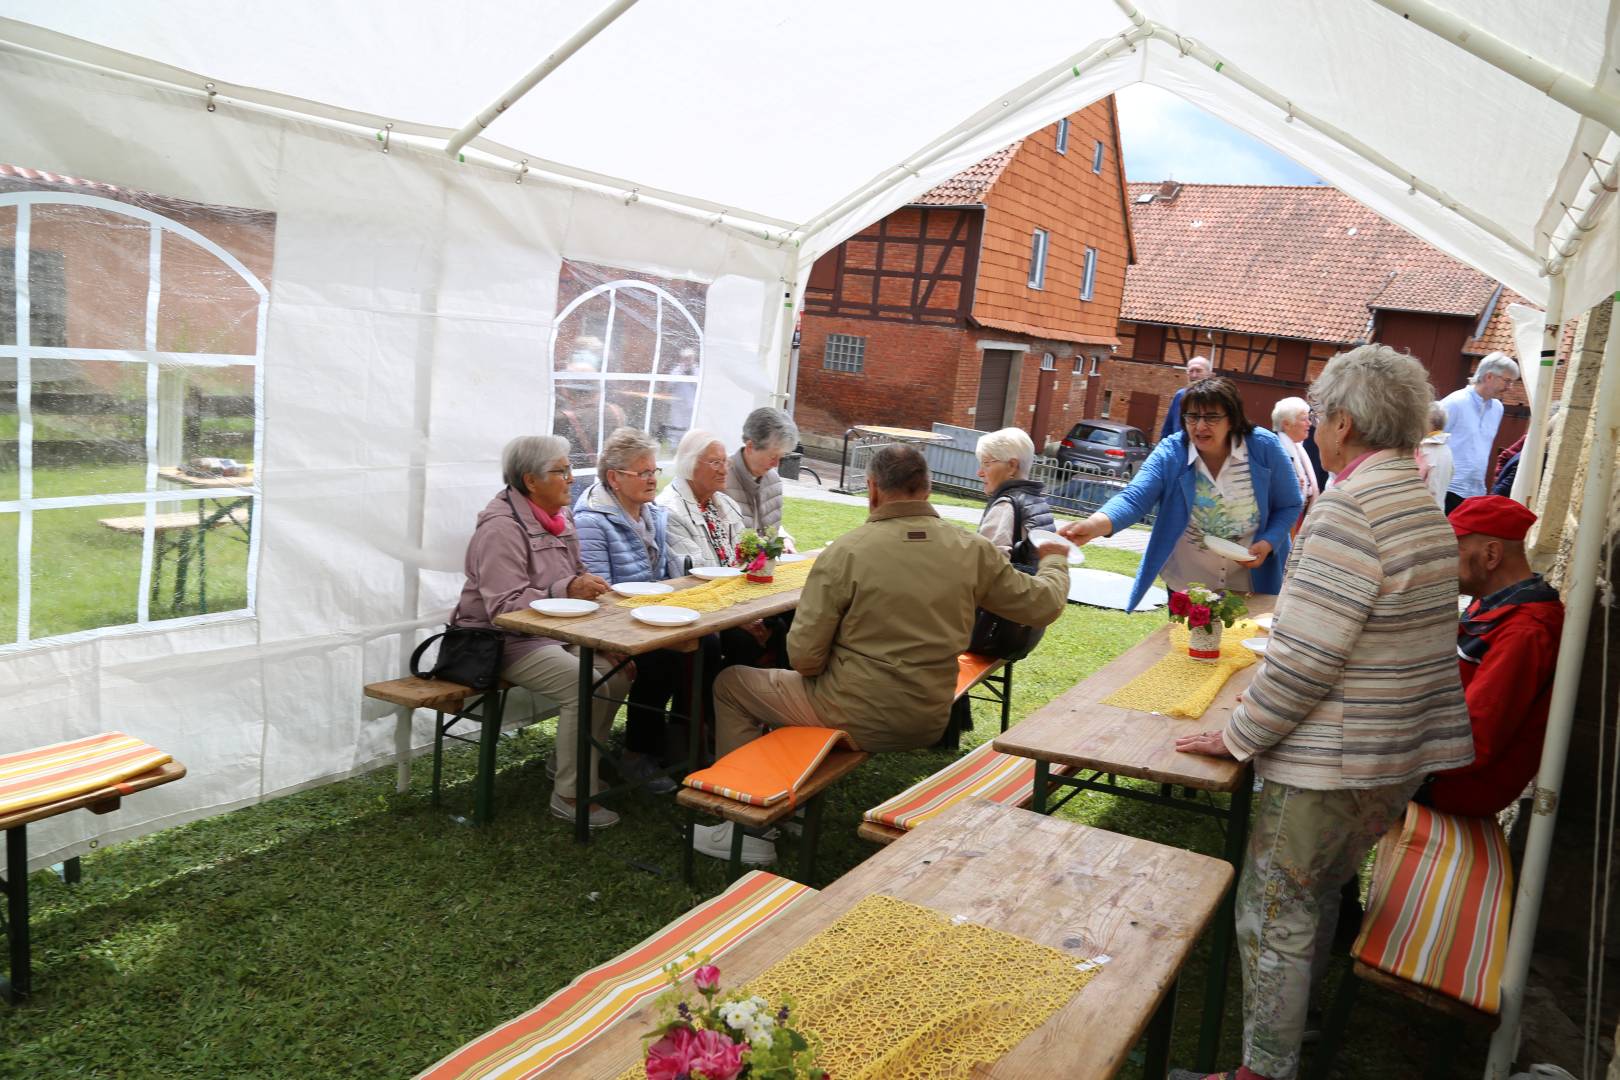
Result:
x=909 y=378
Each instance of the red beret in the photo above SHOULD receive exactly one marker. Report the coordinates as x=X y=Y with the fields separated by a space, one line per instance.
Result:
x=1492 y=515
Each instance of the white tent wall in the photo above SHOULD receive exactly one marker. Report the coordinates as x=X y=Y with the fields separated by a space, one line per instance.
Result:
x=412 y=301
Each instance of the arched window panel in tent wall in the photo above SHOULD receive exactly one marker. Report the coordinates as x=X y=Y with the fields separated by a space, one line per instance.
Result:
x=626 y=350
x=131 y=341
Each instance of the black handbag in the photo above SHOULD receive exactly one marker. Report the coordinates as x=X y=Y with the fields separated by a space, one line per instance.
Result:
x=470 y=656
x=994 y=635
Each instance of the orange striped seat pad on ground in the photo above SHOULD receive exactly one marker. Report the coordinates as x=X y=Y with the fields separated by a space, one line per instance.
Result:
x=1442 y=894
x=534 y=1042
x=984 y=773
x=52 y=773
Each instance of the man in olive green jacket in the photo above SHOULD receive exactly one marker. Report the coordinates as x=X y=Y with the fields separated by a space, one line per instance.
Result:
x=884 y=614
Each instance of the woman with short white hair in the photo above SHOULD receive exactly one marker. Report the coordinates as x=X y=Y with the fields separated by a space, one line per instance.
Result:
x=1434 y=461
x=1005 y=460
x=1291 y=420
x=704 y=522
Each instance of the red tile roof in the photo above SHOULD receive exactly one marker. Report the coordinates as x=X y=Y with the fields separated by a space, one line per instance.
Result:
x=970 y=186
x=1299 y=262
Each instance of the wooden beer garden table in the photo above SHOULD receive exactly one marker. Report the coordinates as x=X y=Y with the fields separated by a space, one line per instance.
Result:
x=611 y=628
x=1071 y=887
x=1103 y=742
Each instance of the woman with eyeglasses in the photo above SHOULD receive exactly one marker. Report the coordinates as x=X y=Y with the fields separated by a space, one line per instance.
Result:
x=624 y=536
x=704 y=521
x=525 y=548
x=1220 y=476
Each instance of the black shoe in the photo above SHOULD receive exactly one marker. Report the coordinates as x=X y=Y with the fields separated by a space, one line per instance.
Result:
x=642 y=771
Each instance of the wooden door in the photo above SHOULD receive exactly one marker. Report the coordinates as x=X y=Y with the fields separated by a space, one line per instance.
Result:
x=991 y=407
x=1437 y=340
x=1142 y=412
x=1045 y=384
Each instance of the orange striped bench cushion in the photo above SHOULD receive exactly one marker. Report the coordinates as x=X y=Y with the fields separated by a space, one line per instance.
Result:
x=1441 y=900
x=985 y=773
x=972 y=669
x=534 y=1042
x=771 y=768
x=50 y=774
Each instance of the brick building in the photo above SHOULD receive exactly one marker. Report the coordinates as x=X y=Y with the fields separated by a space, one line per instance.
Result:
x=1270 y=282
x=992 y=300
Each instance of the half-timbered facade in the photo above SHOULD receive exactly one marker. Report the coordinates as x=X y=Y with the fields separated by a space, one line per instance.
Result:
x=1270 y=282
x=991 y=301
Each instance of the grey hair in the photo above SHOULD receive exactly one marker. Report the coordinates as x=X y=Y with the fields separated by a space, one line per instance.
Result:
x=532 y=454
x=1437 y=417
x=1497 y=363
x=1008 y=444
x=1385 y=393
x=692 y=445
x=622 y=447
x=898 y=469
x=770 y=429
x=1288 y=410
x=1202 y=359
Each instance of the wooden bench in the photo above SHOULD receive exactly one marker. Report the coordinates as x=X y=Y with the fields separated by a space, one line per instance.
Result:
x=451 y=704
x=974 y=671
x=754 y=820
x=103 y=799
x=570 y=1019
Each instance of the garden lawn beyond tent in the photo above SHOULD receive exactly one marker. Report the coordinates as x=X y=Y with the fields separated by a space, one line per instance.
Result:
x=352 y=931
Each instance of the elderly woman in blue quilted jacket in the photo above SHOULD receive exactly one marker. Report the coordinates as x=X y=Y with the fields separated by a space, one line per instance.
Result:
x=623 y=536
x=1220 y=476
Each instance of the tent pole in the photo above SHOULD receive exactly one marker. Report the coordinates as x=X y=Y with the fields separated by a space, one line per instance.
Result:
x=1527 y=481
x=987 y=117
x=551 y=63
x=784 y=337
x=1211 y=59
x=1578 y=599
x=1561 y=86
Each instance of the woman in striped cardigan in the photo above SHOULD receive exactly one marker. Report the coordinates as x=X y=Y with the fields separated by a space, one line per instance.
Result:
x=1357 y=698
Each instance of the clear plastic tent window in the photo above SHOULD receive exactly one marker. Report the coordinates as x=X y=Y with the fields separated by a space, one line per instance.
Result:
x=131 y=331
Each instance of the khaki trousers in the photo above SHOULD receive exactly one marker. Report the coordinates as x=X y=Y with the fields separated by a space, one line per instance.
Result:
x=554 y=672
x=749 y=700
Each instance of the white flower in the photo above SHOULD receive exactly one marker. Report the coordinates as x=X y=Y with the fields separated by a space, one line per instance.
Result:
x=738 y=1014
x=759 y=1038
x=759 y=1004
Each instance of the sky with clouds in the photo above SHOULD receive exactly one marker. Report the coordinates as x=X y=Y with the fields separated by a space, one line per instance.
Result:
x=1167 y=138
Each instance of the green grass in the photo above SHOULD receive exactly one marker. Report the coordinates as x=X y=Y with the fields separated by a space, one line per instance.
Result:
x=350 y=931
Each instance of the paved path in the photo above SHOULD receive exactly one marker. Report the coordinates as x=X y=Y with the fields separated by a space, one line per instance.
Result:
x=1129 y=540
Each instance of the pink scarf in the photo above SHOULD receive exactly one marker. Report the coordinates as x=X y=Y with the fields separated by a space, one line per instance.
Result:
x=553 y=525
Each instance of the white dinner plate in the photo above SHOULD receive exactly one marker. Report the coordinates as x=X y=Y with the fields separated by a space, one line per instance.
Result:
x=564 y=608
x=658 y=615
x=788 y=557
x=1226 y=549
x=1042 y=536
x=642 y=588
x=1256 y=644
x=715 y=573
x=1264 y=621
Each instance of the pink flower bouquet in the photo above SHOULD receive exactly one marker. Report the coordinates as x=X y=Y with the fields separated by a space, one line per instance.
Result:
x=722 y=1036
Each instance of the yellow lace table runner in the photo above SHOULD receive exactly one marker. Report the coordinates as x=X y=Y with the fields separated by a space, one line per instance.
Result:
x=719 y=595
x=1182 y=687
x=896 y=991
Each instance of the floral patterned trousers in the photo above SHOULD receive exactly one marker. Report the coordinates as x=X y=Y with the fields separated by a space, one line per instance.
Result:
x=1303 y=846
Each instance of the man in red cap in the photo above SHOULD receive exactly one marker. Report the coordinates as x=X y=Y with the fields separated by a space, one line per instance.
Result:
x=1507 y=648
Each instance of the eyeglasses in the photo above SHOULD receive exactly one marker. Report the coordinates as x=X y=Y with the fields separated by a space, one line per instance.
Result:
x=647 y=475
x=717 y=463
x=1210 y=418
x=567 y=472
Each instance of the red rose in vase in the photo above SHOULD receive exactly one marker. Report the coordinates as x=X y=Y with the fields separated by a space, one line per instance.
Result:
x=1198 y=616
x=1179 y=604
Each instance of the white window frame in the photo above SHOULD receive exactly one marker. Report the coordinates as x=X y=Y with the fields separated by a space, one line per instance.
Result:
x=1079 y=364
x=1038 y=243
x=1048 y=362
x=1088 y=278
x=851 y=354
x=24 y=353
x=1063 y=136
x=1098 y=153
x=1096 y=365
x=662 y=299
x=1107 y=403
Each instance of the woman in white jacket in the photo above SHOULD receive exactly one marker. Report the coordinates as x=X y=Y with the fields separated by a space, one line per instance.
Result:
x=1434 y=456
x=704 y=522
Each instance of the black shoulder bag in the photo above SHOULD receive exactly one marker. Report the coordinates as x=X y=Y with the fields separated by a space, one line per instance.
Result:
x=997 y=636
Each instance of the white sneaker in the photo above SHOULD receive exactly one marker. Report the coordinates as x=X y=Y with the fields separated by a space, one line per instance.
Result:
x=600 y=817
x=715 y=842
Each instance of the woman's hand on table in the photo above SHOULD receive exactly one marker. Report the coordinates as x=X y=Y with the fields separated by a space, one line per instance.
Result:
x=1208 y=743
x=1260 y=550
x=586 y=587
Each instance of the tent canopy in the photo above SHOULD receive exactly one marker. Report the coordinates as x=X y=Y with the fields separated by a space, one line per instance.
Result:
x=780 y=116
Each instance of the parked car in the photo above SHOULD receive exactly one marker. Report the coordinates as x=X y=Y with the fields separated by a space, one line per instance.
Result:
x=1105 y=447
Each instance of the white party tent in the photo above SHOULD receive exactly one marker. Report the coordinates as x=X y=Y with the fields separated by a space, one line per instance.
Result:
x=407 y=327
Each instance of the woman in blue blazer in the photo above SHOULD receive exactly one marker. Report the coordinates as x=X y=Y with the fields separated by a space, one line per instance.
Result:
x=1196 y=484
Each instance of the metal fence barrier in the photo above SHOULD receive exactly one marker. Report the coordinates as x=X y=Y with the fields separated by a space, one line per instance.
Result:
x=1072 y=488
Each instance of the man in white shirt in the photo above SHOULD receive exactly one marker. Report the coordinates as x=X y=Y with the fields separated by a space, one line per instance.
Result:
x=1472 y=416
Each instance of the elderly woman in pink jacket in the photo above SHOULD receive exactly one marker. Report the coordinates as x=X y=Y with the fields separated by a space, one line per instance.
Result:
x=524 y=548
